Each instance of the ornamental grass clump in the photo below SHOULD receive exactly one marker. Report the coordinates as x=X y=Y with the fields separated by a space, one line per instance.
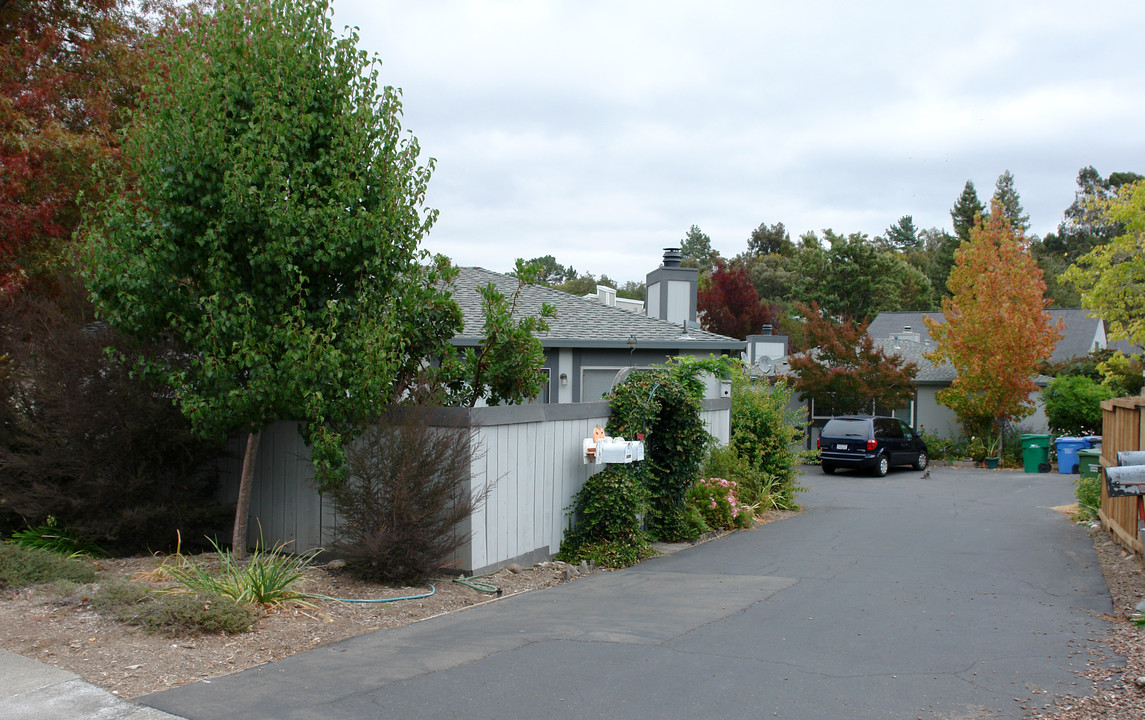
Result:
x=716 y=501
x=266 y=578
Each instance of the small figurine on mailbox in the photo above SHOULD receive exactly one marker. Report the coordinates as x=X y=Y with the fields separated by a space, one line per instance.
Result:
x=601 y=449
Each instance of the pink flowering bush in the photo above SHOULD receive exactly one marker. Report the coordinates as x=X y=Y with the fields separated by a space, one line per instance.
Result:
x=716 y=501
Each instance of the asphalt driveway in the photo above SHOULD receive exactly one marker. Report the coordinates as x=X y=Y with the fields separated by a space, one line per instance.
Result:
x=952 y=596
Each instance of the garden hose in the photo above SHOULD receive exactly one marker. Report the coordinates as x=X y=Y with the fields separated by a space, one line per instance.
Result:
x=478 y=585
x=432 y=590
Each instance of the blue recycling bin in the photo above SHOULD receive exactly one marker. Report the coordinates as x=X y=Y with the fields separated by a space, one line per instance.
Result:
x=1093 y=440
x=1067 y=453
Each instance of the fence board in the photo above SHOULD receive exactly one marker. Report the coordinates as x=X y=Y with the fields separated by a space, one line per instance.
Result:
x=1123 y=429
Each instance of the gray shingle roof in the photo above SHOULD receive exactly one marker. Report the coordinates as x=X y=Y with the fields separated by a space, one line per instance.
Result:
x=579 y=322
x=913 y=352
x=1077 y=337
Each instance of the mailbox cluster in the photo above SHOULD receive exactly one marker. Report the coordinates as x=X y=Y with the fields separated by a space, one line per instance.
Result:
x=601 y=449
x=1128 y=478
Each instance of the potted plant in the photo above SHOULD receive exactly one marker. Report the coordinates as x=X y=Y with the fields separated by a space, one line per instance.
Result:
x=992 y=458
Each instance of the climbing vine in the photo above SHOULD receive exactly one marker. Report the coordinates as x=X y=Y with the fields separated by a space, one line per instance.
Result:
x=663 y=404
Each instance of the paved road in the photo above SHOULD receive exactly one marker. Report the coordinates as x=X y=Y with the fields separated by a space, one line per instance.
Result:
x=899 y=597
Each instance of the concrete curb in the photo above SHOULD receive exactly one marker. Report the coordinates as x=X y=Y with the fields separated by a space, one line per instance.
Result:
x=32 y=690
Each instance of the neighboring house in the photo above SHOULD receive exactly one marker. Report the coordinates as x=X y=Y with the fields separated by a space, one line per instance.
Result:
x=607 y=296
x=905 y=334
x=588 y=342
x=531 y=454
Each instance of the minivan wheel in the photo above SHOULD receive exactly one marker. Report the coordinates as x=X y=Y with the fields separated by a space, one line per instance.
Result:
x=920 y=462
x=882 y=465
x=828 y=468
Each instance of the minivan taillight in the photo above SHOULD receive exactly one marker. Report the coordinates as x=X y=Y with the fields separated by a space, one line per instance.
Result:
x=819 y=443
x=872 y=443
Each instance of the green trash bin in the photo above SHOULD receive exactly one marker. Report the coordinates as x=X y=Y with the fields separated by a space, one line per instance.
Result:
x=1036 y=453
x=1089 y=463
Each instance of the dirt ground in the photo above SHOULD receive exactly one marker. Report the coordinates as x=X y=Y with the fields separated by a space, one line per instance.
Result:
x=64 y=631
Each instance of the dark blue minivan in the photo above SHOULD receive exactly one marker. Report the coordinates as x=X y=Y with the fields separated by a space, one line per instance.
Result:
x=870 y=443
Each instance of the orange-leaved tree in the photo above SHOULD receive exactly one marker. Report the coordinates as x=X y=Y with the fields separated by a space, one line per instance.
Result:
x=996 y=329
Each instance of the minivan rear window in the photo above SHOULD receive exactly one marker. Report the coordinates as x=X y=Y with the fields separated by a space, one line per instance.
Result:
x=842 y=427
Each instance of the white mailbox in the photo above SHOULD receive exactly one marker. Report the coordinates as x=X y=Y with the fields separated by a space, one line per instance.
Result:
x=612 y=450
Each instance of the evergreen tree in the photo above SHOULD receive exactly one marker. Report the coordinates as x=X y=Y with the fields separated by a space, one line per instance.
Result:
x=696 y=247
x=966 y=211
x=903 y=235
x=1007 y=201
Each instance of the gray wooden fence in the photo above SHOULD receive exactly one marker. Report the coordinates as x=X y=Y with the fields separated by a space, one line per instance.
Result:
x=530 y=454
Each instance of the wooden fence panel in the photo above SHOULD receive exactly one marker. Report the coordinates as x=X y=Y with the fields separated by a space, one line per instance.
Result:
x=1123 y=428
x=531 y=455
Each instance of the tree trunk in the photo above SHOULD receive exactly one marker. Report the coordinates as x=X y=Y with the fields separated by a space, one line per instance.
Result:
x=242 y=506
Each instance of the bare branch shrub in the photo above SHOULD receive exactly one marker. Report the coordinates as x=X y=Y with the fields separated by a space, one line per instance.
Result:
x=406 y=497
x=106 y=454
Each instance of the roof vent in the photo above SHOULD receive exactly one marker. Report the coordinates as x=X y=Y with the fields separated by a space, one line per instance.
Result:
x=672 y=257
x=906 y=328
x=766 y=330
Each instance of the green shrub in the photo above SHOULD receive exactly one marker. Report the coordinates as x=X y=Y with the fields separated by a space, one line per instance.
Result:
x=765 y=432
x=53 y=538
x=606 y=514
x=763 y=455
x=1073 y=405
x=716 y=502
x=1088 y=492
x=21 y=567
x=173 y=613
x=940 y=448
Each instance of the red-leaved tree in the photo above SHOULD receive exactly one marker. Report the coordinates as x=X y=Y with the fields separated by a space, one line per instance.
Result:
x=996 y=327
x=845 y=372
x=728 y=303
x=69 y=69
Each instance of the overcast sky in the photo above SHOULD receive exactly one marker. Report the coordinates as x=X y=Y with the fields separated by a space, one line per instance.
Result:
x=599 y=132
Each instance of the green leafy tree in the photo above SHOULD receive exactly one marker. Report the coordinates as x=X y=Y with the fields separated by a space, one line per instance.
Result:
x=506 y=368
x=937 y=258
x=1085 y=226
x=770 y=239
x=270 y=225
x=853 y=278
x=550 y=272
x=1111 y=277
x=966 y=211
x=844 y=371
x=1007 y=201
x=773 y=276
x=996 y=329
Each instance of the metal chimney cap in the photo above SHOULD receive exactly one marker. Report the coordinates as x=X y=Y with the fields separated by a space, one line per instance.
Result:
x=673 y=257
x=766 y=329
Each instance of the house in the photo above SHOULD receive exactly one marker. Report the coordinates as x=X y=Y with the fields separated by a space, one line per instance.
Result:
x=905 y=334
x=531 y=455
x=589 y=342
x=606 y=295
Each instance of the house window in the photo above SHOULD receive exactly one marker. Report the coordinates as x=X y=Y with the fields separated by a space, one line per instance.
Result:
x=596 y=381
